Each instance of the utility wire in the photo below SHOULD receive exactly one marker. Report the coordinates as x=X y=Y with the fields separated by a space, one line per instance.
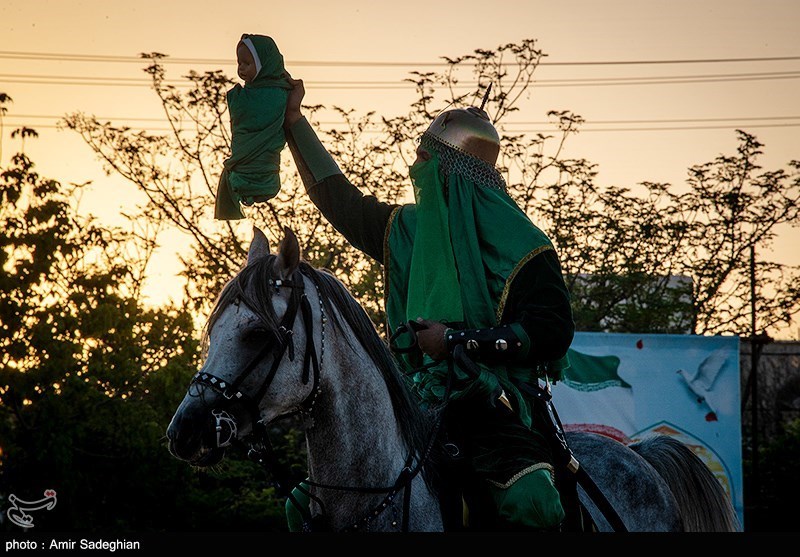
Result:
x=543 y=131
x=400 y=86
x=505 y=122
x=667 y=120
x=7 y=54
x=468 y=83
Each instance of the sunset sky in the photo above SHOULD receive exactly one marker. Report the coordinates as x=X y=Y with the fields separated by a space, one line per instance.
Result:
x=722 y=65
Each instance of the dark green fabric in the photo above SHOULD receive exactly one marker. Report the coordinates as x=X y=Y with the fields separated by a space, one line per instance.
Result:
x=484 y=236
x=433 y=286
x=313 y=155
x=522 y=335
x=294 y=517
x=495 y=446
x=495 y=441
x=256 y=110
x=531 y=502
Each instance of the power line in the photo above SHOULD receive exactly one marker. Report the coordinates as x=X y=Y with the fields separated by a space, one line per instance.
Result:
x=470 y=83
x=139 y=128
x=109 y=118
x=678 y=61
x=135 y=80
x=505 y=122
x=551 y=130
x=671 y=128
x=661 y=81
x=666 y=77
x=64 y=57
x=132 y=82
x=668 y=120
x=142 y=83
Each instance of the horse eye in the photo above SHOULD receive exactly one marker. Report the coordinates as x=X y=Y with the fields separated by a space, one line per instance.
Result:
x=255 y=334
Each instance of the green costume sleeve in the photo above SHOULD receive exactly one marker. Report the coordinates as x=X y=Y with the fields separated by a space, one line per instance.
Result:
x=310 y=149
x=361 y=219
x=536 y=320
x=538 y=301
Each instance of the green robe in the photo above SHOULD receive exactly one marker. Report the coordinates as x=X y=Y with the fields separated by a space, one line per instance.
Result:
x=515 y=281
x=534 y=298
x=452 y=257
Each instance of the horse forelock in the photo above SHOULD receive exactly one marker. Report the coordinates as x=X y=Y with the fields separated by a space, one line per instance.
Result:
x=250 y=286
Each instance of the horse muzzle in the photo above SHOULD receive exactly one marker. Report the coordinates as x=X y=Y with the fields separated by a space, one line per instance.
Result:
x=202 y=441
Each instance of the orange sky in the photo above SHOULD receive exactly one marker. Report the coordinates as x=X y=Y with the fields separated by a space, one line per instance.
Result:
x=634 y=133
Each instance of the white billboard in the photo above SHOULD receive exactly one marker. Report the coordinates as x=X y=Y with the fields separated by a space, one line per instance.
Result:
x=628 y=386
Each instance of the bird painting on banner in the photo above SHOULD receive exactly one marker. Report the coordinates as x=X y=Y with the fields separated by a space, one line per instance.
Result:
x=701 y=382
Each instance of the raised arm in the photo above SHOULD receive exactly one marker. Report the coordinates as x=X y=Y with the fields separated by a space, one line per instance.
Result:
x=361 y=219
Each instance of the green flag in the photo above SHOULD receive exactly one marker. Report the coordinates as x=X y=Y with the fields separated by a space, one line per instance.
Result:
x=592 y=373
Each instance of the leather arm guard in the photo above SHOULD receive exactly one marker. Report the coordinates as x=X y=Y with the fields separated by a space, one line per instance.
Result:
x=502 y=343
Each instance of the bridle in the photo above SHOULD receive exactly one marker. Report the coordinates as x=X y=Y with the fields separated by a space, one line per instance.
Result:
x=258 y=444
x=280 y=343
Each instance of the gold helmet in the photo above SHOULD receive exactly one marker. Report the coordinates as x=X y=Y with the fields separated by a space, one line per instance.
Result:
x=469 y=131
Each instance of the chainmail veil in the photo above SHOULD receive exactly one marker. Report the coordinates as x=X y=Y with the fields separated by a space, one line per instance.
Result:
x=454 y=160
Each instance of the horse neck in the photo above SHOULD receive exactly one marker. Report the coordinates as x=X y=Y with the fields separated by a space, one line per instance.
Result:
x=355 y=439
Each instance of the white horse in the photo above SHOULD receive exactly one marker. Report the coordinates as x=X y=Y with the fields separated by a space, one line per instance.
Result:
x=285 y=338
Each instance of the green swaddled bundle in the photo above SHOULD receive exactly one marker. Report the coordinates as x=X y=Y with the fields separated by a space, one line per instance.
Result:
x=251 y=174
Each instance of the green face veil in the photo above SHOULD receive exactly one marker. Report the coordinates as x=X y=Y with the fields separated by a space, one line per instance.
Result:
x=433 y=290
x=452 y=257
x=256 y=110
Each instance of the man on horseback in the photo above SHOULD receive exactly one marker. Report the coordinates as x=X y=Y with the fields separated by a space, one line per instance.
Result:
x=470 y=273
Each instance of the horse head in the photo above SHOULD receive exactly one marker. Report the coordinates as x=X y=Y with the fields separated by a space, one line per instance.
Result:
x=256 y=366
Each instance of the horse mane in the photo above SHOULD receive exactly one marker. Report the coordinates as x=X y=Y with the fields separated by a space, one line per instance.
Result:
x=251 y=285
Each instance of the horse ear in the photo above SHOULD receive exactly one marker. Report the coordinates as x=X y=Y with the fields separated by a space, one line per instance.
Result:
x=288 y=254
x=259 y=247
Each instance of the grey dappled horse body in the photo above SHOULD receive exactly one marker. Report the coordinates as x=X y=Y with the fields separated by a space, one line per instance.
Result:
x=362 y=423
x=656 y=485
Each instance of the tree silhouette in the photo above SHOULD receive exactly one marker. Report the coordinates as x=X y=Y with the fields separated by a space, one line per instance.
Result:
x=89 y=379
x=622 y=247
